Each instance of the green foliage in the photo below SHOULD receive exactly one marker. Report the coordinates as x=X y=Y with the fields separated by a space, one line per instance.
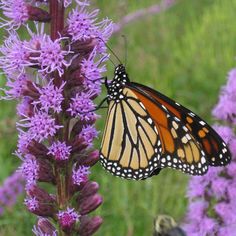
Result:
x=185 y=53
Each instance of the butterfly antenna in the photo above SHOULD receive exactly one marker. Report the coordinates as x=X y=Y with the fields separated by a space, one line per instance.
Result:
x=126 y=51
x=110 y=50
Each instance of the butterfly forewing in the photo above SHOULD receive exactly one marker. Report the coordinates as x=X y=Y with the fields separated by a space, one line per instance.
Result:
x=180 y=149
x=211 y=143
x=131 y=146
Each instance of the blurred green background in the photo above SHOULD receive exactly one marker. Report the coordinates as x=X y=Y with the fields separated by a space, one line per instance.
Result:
x=184 y=52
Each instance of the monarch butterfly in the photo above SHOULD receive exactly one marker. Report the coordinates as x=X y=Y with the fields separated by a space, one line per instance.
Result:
x=146 y=131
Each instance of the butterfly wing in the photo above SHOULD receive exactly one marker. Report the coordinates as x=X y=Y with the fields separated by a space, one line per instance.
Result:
x=210 y=142
x=131 y=146
x=180 y=149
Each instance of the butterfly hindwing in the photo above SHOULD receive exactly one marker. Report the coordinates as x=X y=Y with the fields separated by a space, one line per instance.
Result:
x=131 y=146
x=211 y=143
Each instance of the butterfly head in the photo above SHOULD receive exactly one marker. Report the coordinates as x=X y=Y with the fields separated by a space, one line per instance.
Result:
x=115 y=87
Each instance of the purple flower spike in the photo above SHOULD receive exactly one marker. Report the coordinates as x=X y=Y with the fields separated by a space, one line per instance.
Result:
x=68 y=218
x=60 y=151
x=55 y=78
x=80 y=174
x=212 y=207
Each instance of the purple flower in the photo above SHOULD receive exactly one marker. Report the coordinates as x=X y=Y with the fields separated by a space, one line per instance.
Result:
x=60 y=151
x=219 y=187
x=40 y=126
x=30 y=169
x=51 y=55
x=23 y=142
x=82 y=106
x=32 y=203
x=50 y=97
x=17 y=86
x=92 y=72
x=16 y=11
x=88 y=133
x=197 y=209
x=15 y=56
x=80 y=174
x=68 y=218
x=208 y=226
x=11 y=188
x=196 y=187
x=82 y=25
x=226 y=212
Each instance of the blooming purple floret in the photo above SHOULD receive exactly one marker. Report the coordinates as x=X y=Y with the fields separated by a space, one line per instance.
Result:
x=82 y=106
x=41 y=126
x=80 y=174
x=68 y=217
x=15 y=57
x=30 y=169
x=17 y=86
x=16 y=11
x=82 y=25
x=88 y=133
x=51 y=97
x=32 y=203
x=92 y=72
x=51 y=55
x=60 y=151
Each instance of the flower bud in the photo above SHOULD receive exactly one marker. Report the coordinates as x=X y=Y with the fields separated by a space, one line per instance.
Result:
x=45 y=173
x=46 y=227
x=38 y=14
x=88 y=226
x=90 y=204
x=90 y=160
x=89 y=189
x=38 y=149
x=39 y=193
x=40 y=208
